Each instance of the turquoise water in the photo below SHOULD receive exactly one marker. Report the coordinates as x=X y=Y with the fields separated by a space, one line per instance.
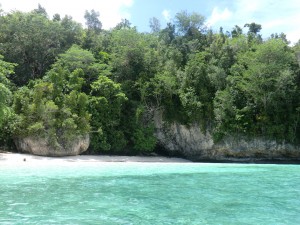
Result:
x=150 y=193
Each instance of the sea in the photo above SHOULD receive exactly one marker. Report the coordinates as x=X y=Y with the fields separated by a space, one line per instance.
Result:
x=150 y=193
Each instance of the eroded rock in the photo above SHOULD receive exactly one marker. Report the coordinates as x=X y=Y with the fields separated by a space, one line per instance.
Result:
x=43 y=147
x=195 y=144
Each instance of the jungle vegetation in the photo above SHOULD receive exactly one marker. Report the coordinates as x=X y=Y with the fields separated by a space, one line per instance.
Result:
x=60 y=78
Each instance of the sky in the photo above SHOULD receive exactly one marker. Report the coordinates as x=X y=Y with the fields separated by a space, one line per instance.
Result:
x=275 y=16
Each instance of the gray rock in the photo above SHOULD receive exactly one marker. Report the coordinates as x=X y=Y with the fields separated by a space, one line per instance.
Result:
x=42 y=147
x=195 y=144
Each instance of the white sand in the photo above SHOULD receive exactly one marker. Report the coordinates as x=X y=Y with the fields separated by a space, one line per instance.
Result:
x=16 y=158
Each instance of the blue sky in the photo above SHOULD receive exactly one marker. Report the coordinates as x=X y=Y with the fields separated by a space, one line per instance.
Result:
x=274 y=15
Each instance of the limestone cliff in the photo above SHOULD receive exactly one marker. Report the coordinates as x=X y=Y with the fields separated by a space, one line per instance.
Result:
x=193 y=143
x=43 y=147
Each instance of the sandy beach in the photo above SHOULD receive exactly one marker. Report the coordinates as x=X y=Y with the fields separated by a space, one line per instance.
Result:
x=17 y=158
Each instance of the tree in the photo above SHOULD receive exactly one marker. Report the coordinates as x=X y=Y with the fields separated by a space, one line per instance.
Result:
x=262 y=92
x=223 y=53
x=167 y=35
x=124 y=24
x=187 y=23
x=93 y=31
x=253 y=31
x=143 y=139
x=71 y=31
x=281 y=36
x=6 y=69
x=196 y=92
x=56 y=17
x=7 y=116
x=127 y=55
x=154 y=24
x=236 y=31
x=92 y=21
x=78 y=58
x=90 y=75
x=66 y=80
x=41 y=10
x=33 y=53
x=254 y=28
x=105 y=107
x=53 y=108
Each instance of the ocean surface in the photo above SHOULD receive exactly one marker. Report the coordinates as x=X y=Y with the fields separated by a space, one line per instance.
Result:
x=150 y=193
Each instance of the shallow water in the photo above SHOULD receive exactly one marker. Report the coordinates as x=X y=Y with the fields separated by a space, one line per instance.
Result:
x=150 y=193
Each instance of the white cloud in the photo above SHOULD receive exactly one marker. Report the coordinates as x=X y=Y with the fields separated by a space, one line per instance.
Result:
x=111 y=12
x=274 y=16
x=218 y=16
x=246 y=7
x=287 y=24
x=293 y=36
x=167 y=15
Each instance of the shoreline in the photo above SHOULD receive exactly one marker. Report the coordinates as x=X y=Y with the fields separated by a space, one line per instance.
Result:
x=12 y=158
x=21 y=158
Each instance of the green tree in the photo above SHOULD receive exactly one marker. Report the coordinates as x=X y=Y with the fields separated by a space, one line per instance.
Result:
x=188 y=23
x=6 y=69
x=41 y=10
x=254 y=28
x=49 y=110
x=53 y=108
x=196 y=91
x=105 y=106
x=124 y=24
x=7 y=116
x=154 y=25
x=281 y=36
x=71 y=32
x=223 y=53
x=167 y=35
x=90 y=75
x=76 y=57
x=33 y=53
x=92 y=21
x=236 y=31
x=253 y=32
x=262 y=92
x=143 y=136
x=127 y=54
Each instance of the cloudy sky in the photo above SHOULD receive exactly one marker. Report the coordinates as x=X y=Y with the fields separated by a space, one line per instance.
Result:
x=274 y=15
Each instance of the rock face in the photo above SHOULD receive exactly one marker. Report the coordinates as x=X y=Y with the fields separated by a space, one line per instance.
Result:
x=197 y=145
x=42 y=147
x=180 y=138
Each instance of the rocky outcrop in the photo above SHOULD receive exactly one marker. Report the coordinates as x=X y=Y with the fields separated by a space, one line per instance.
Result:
x=179 y=138
x=194 y=144
x=43 y=147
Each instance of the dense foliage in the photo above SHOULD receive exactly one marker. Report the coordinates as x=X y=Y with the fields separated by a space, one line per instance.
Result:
x=7 y=116
x=60 y=79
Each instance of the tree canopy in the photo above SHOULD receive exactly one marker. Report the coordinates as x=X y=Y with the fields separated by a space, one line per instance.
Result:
x=58 y=78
